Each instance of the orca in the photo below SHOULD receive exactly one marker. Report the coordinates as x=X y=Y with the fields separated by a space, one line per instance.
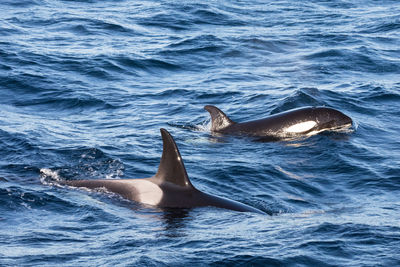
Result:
x=170 y=187
x=288 y=124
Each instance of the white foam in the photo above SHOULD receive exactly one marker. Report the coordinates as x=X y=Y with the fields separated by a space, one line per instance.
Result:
x=204 y=127
x=48 y=176
x=301 y=127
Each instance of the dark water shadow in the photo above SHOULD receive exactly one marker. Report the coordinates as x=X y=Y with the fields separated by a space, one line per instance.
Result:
x=175 y=221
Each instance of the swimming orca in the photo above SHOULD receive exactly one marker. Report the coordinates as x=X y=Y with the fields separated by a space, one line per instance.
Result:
x=292 y=123
x=170 y=187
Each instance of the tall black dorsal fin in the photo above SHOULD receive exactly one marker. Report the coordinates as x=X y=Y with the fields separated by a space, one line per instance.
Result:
x=171 y=168
x=219 y=120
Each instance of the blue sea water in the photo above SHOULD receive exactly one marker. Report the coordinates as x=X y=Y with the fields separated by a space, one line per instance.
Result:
x=86 y=85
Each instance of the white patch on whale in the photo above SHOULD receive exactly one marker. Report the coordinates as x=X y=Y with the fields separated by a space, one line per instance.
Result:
x=148 y=192
x=301 y=127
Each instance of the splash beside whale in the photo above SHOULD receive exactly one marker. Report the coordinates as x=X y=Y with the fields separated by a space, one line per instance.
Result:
x=296 y=122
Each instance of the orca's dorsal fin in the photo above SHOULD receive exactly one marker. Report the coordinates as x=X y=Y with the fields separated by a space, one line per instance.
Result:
x=219 y=120
x=171 y=168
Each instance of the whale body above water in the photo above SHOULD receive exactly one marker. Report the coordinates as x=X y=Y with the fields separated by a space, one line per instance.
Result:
x=170 y=187
x=292 y=123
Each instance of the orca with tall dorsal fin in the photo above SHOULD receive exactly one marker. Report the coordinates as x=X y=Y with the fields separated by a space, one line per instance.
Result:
x=292 y=123
x=170 y=187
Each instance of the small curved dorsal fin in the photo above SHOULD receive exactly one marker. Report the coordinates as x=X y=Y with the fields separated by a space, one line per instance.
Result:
x=219 y=120
x=171 y=168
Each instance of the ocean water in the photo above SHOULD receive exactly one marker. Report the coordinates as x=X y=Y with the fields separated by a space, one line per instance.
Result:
x=86 y=85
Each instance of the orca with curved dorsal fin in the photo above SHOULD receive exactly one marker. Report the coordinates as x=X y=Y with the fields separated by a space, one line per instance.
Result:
x=295 y=122
x=170 y=187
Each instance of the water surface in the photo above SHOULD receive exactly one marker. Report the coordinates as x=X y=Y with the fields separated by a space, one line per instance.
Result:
x=86 y=85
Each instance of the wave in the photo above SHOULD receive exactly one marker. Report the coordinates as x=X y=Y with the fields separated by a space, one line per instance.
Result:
x=361 y=59
x=20 y=198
